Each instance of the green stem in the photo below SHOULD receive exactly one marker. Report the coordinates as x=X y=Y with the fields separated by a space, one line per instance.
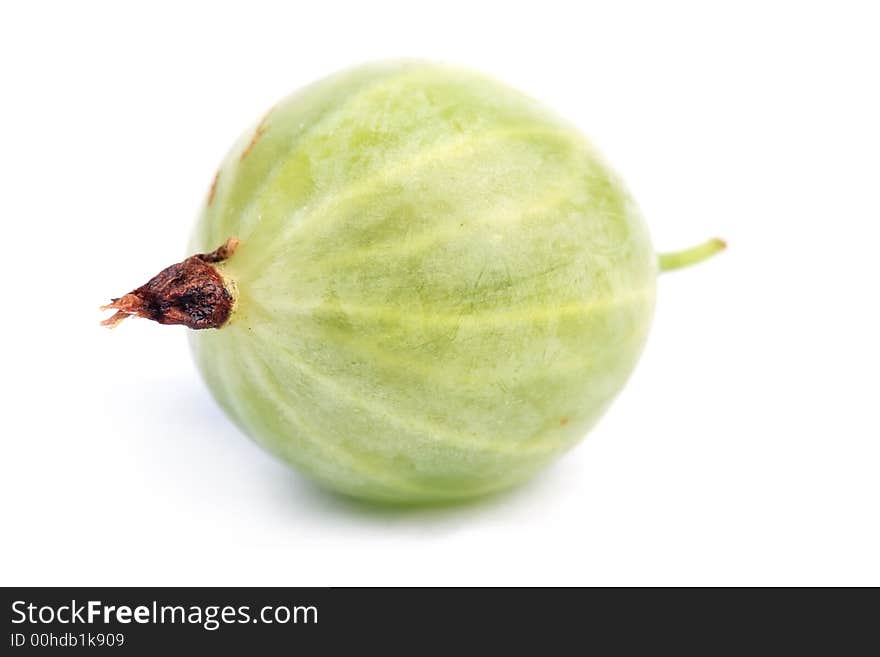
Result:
x=691 y=256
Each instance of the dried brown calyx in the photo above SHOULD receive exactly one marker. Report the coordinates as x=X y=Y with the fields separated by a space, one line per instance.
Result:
x=191 y=292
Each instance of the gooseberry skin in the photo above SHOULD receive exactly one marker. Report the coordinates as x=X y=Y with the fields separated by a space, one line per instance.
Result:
x=440 y=285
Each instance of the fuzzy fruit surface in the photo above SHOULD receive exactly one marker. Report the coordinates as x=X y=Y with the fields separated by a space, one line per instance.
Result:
x=440 y=284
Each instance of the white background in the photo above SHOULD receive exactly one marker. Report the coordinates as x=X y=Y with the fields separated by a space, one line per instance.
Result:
x=746 y=447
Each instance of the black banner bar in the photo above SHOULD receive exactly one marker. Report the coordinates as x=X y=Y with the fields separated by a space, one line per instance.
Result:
x=327 y=621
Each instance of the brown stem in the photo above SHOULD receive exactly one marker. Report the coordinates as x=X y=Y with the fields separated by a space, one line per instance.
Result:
x=191 y=292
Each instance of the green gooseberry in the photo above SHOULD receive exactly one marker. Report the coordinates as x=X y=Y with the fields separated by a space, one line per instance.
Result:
x=429 y=285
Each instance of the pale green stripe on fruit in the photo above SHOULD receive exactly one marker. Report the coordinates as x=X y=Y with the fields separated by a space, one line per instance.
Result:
x=466 y=145
x=429 y=430
x=445 y=232
x=245 y=215
x=474 y=319
x=264 y=380
x=356 y=464
x=443 y=374
x=386 y=78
